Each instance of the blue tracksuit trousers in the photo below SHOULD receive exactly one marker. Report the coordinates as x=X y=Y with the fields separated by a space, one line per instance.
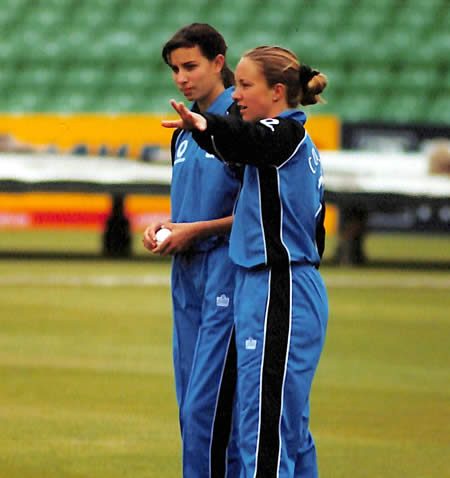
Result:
x=202 y=297
x=281 y=317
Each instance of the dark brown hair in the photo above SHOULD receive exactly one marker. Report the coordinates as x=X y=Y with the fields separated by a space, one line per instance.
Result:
x=303 y=84
x=207 y=38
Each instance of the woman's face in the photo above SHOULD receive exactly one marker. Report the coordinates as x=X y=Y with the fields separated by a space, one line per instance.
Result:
x=256 y=100
x=198 y=78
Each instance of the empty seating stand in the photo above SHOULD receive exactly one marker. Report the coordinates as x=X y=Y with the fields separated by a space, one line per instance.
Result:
x=389 y=62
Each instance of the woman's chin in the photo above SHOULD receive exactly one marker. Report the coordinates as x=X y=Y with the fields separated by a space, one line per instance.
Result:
x=245 y=116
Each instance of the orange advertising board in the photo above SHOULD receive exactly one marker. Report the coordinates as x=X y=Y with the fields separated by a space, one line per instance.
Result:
x=69 y=210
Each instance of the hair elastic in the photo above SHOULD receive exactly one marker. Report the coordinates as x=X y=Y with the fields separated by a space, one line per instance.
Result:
x=305 y=74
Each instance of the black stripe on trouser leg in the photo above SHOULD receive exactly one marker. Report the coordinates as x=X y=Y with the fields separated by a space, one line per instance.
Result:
x=224 y=412
x=273 y=371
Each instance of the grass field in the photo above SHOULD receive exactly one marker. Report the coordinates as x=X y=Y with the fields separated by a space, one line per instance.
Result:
x=86 y=385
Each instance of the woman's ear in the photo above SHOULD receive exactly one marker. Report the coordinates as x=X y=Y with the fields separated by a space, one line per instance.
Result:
x=279 y=92
x=219 y=61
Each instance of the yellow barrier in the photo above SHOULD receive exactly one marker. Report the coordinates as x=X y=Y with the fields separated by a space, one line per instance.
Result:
x=92 y=130
x=96 y=131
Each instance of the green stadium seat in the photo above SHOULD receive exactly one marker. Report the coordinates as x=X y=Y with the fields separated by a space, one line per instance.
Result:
x=130 y=77
x=83 y=76
x=116 y=45
x=417 y=80
x=354 y=45
x=14 y=4
x=150 y=44
x=134 y=20
x=385 y=5
x=68 y=100
x=430 y=5
x=368 y=20
x=333 y=99
x=371 y=79
x=117 y=100
x=75 y=46
x=120 y=102
x=45 y=16
x=438 y=111
x=402 y=107
x=7 y=17
x=391 y=48
x=337 y=75
x=91 y=18
x=46 y=4
x=357 y=106
x=7 y=77
x=14 y=10
x=411 y=18
x=35 y=76
x=444 y=16
x=304 y=44
x=34 y=46
x=226 y=22
x=275 y=19
x=23 y=45
x=7 y=52
x=333 y=51
x=157 y=104
x=432 y=51
x=24 y=99
x=328 y=20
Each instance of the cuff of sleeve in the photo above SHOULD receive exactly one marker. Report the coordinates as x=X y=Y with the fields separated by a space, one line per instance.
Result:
x=212 y=121
x=201 y=136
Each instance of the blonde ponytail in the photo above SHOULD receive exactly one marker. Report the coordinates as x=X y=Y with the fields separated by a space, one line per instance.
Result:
x=279 y=65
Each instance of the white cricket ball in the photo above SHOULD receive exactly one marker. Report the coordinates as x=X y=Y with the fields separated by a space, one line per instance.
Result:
x=162 y=235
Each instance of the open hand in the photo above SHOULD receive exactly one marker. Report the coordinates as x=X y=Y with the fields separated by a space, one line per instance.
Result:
x=188 y=120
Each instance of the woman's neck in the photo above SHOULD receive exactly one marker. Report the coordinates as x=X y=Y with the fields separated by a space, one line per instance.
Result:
x=278 y=108
x=204 y=103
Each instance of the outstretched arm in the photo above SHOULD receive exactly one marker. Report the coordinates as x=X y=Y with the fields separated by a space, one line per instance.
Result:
x=270 y=141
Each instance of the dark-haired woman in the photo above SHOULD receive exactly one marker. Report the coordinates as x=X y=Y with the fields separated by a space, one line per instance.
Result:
x=281 y=305
x=203 y=195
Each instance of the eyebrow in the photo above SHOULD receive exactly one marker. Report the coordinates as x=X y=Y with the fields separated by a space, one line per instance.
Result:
x=185 y=63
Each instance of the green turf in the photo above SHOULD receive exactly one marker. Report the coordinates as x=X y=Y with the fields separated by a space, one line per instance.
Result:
x=86 y=385
x=87 y=391
x=401 y=247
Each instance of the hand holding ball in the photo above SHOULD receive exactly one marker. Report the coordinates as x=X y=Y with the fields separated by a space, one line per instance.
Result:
x=162 y=235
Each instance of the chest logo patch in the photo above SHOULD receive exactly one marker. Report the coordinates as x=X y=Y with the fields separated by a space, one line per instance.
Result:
x=179 y=157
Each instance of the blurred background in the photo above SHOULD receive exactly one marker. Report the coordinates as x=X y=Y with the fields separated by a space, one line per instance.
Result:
x=87 y=78
x=387 y=61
